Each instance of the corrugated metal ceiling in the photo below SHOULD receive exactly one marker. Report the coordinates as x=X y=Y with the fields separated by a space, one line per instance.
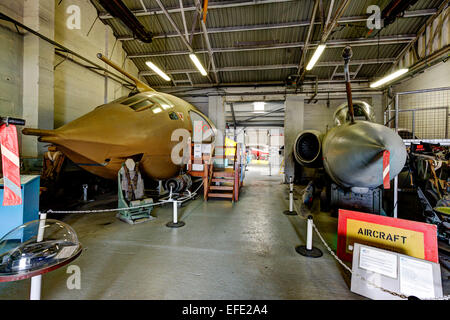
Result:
x=285 y=41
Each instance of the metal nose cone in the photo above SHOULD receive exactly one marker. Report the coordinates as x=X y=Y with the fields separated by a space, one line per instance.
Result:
x=96 y=135
x=353 y=154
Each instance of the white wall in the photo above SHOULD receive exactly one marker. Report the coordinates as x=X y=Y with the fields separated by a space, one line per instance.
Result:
x=433 y=77
x=430 y=123
x=11 y=68
x=11 y=61
x=78 y=90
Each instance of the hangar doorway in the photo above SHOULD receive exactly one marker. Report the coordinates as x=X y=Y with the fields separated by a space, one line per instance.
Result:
x=258 y=126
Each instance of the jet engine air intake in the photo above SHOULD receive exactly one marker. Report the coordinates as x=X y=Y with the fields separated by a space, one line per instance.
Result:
x=307 y=148
x=178 y=184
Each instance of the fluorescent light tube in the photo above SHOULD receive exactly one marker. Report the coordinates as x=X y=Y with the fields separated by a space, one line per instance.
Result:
x=198 y=64
x=158 y=71
x=315 y=56
x=258 y=107
x=388 y=78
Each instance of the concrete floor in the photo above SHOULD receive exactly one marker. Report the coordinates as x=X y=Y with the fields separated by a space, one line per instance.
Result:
x=226 y=251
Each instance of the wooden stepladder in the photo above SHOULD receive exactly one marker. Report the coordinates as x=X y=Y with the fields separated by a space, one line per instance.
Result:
x=219 y=181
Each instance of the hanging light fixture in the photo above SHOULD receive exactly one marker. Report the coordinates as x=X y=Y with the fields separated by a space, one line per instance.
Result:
x=316 y=56
x=388 y=78
x=198 y=64
x=258 y=107
x=157 y=70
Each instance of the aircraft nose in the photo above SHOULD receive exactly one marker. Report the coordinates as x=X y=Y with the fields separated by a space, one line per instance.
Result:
x=99 y=134
x=353 y=153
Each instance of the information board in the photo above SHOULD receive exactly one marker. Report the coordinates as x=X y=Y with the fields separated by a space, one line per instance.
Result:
x=408 y=237
x=377 y=272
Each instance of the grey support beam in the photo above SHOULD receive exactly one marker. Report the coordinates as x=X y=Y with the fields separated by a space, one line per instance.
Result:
x=185 y=41
x=274 y=67
x=308 y=37
x=234 y=116
x=208 y=45
x=337 y=43
x=183 y=16
x=211 y=6
x=330 y=26
x=334 y=72
x=357 y=71
x=423 y=29
x=351 y=19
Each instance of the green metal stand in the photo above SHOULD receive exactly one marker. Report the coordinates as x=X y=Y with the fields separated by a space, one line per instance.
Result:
x=132 y=216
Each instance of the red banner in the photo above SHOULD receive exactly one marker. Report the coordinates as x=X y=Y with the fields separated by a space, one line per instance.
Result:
x=12 y=194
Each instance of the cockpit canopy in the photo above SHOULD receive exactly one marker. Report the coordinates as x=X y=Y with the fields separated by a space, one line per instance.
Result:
x=362 y=111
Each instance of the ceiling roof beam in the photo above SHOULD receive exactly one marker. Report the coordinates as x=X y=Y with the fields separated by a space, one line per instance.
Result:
x=423 y=29
x=208 y=44
x=331 y=24
x=185 y=41
x=211 y=5
x=408 y=14
x=183 y=16
x=276 y=66
x=308 y=37
x=334 y=72
x=221 y=5
x=338 y=43
x=327 y=31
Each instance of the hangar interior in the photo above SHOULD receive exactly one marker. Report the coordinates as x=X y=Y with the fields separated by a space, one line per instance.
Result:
x=284 y=120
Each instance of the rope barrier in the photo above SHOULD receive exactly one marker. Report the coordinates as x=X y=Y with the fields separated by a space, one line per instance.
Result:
x=190 y=196
x=402 y=296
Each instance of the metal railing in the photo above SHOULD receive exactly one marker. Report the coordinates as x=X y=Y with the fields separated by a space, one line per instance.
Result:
x=420 y=114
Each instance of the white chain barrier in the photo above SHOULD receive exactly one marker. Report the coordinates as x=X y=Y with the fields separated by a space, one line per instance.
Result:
x=183 y=199
x=402 y=296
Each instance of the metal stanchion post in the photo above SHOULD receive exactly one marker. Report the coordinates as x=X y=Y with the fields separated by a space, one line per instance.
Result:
x=291 y=211
x=309 y=250
x=35 y=290
x=291 y=188
x=85 y=190
x=175 y=223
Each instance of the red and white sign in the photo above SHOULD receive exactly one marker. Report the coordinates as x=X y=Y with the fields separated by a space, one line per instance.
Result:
x=12 y=194
x=407 y=237
x=386 y=179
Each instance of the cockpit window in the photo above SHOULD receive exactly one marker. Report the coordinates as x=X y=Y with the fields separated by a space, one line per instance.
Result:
x=173 y=116
x=200 y=123
x=131 y=100
x=142 y=105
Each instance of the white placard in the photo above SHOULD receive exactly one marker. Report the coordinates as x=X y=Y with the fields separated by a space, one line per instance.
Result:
x=197 y=150
x=416 y=278
x=206 y=148
x=66 y=252
x=378 y=261
x=197 y=167
x=198 y=133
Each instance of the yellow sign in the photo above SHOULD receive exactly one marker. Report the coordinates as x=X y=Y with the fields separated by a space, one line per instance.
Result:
x=399 y=240
x=229 y=143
